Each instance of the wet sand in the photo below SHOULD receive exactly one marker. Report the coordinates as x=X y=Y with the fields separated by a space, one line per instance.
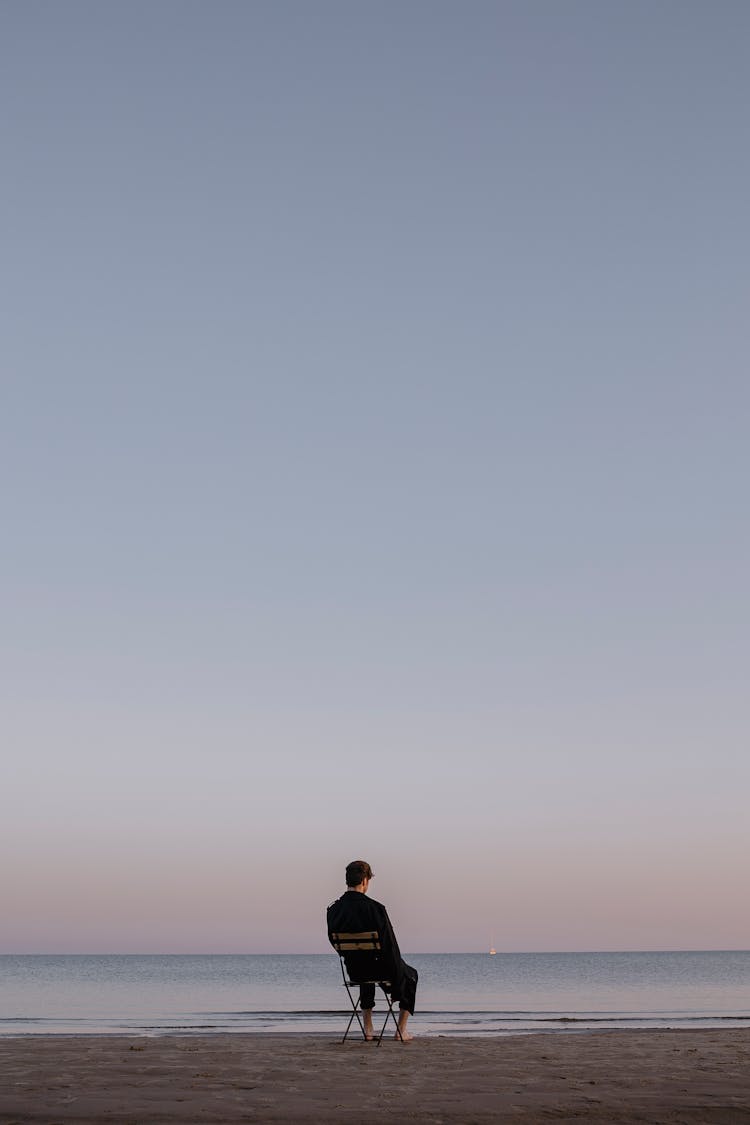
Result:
x=607 y=1076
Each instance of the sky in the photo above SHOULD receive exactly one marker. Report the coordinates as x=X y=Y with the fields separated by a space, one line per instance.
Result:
x=373 y=472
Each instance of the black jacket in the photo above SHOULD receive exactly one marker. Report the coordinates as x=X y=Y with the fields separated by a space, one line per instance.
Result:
x=355 y=912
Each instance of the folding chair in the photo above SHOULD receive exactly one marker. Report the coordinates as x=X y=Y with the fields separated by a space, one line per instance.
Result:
x=366 y=942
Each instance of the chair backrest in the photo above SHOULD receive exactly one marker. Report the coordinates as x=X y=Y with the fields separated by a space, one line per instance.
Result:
x=367 y=941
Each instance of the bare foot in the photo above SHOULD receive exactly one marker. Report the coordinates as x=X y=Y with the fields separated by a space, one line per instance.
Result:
x=403 y=1036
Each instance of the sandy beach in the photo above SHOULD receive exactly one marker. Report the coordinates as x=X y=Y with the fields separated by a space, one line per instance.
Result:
x=613 y=1076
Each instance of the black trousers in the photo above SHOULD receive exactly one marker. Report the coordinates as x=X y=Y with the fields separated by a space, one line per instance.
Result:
x=404 y=990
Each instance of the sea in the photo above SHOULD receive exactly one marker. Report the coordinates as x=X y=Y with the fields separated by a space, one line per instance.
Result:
x=459 y=993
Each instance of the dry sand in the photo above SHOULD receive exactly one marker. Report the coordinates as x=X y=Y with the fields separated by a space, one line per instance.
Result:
x=607 y=1076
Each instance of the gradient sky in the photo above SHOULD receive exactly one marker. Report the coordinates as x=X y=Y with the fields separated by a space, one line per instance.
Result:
x=374 y=458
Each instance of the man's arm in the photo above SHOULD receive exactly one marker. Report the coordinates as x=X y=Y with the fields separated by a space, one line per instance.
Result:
x=387 y=934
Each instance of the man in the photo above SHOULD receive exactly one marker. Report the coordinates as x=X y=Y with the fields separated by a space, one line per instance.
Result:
x=353 y=913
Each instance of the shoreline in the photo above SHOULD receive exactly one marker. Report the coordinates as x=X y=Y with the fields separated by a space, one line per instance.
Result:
x=612 y=1076
x=422 y=1024
x=738 y=1023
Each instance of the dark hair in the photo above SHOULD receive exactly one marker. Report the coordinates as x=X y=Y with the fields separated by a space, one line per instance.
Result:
x=357 y=871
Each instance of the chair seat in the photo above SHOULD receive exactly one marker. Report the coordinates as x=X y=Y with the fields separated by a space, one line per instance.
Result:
x=369 y=980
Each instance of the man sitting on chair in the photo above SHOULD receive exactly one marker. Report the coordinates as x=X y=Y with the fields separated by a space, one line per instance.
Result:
x=354 y=913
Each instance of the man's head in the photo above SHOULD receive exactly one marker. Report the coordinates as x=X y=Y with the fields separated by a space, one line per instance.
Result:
x=358 y=872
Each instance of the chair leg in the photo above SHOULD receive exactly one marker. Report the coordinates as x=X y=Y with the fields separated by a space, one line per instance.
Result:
x=392 y=1014
x=355 y=1013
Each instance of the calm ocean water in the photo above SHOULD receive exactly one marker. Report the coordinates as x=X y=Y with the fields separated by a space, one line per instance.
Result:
x=458 y=993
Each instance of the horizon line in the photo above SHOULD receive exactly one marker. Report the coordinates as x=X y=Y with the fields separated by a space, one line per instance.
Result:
x=326 y=952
